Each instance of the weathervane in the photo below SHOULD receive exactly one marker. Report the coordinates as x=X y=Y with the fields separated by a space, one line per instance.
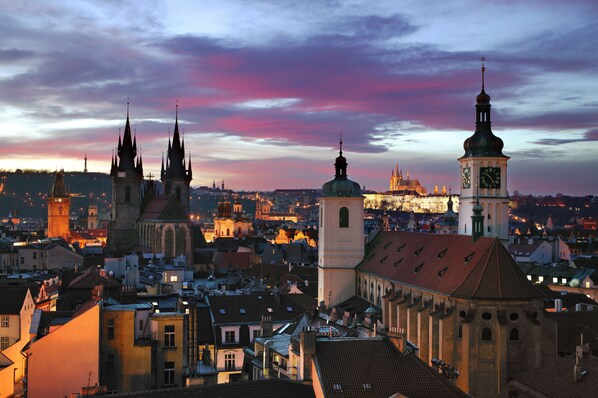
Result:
x=483 y=70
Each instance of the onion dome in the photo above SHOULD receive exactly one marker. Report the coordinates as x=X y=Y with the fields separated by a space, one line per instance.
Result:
x=483 y=143
x=341 y=186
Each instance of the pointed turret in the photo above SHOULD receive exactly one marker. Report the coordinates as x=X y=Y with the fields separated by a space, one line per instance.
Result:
x=59 y=189
x=127 y=148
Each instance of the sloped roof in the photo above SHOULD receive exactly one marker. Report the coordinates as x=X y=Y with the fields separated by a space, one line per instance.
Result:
x=449 y=264
x=556 y=380
x=164 y=208
x=239 y=260
x=11 y=299
x=244 y=309
x=352 y=363
x=91 y=278
x=271 y=388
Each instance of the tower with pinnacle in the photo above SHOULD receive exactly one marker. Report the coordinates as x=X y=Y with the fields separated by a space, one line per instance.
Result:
x=341 y=239
x=127 y=178
x=176 y=174
x=484 y=176
x=59 y=203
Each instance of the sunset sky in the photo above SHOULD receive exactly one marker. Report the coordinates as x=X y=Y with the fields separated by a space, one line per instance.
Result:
x=265 y=87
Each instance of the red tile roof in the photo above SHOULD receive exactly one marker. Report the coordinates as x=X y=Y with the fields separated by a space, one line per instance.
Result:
x=449 y=264
x=164 y=208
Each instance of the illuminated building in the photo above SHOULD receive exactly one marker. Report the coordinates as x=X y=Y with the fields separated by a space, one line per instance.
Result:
x=59 y=203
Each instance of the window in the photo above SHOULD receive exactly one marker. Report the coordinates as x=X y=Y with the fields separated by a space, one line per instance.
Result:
x=168 y=373
x=178 y=193
x=343 y=217
x=34 y=255
x=127 y=194
x=169 y=336
x=255 y=334
x=110 y=364
x=229 y=337
x=110 y=334
x=4 y=343
x=487 y=334
x=514 y=334
x=174 y=278
x=141 y=324
x=229 y=361
x=5 y=322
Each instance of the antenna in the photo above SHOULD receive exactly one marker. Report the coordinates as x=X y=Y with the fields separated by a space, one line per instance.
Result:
x=483 y=70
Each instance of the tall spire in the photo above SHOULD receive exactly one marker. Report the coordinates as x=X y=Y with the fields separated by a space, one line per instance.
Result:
x=483 y=70
x=127 y=147
x=483 y=142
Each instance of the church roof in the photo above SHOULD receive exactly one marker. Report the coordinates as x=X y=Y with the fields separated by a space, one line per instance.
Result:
x=163 y=208
x=448 y=264
x=59 y=189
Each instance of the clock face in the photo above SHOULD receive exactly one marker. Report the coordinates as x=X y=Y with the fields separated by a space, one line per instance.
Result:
x=466 y=177
x=489 y=177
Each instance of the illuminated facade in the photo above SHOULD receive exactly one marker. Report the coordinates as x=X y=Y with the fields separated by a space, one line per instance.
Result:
x=59 y=204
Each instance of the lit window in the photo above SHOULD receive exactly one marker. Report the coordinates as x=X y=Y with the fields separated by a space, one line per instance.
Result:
x=587 y=285
x=564 y=280
x=174 y=278
x=4 y=343
x=169 y=336
x=555 y=279
x=5 y=322
x=540 y=278
x=529 y=277
x=168 y=373
x=229 y=361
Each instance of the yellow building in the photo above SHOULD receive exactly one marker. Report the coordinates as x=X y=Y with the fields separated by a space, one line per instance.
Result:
x=142 y=349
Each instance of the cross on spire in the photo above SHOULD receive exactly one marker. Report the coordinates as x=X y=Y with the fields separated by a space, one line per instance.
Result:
x=483 y=70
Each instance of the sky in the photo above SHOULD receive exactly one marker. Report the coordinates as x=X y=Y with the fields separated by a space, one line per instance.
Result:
x=266 y=88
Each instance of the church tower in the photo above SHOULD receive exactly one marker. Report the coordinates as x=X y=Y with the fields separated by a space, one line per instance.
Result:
x=341 y=236
x=59 y=203
x=176 y=176
x=127 y=177
x=484 y=175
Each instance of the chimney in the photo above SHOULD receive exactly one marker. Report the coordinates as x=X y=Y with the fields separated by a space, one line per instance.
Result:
x=266 y=326
x=397 y=338
x=307 y=352
x=558 y=305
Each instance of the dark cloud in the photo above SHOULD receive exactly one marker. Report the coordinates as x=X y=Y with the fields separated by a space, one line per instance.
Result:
x=588 y=136
x=14 y=54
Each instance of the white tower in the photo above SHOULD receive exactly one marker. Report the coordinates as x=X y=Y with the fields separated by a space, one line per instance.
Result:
x=341 y=236
x=484 y=175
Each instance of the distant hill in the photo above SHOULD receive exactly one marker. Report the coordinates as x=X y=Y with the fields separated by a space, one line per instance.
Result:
x=25 y=191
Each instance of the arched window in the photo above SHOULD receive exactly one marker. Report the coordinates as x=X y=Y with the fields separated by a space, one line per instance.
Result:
x=169 y=243
x=178 y=193
x=487 y=334
x=343 y=217
x=514 y=334
x=460 y=331
x=127 y=193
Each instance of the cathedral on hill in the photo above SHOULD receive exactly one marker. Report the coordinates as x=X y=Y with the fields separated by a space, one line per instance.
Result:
x=405 y=186
x=142 y=218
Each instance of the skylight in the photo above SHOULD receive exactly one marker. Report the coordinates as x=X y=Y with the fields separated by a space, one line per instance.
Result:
x=242 y=311
x=222 y=311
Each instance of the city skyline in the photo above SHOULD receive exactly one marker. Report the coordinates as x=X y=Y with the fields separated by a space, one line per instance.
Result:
x=265 y=89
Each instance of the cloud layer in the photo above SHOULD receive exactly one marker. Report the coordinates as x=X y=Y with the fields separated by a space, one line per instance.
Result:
x=264 y=91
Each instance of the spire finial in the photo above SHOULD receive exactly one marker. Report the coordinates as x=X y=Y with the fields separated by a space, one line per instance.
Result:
x=177 y=109
x=341 y=142
x=127 y=107
x=483 y=70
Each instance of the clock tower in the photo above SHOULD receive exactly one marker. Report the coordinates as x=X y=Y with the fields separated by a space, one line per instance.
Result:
x=341 y=239
x=484 y=175
x=59 y=204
